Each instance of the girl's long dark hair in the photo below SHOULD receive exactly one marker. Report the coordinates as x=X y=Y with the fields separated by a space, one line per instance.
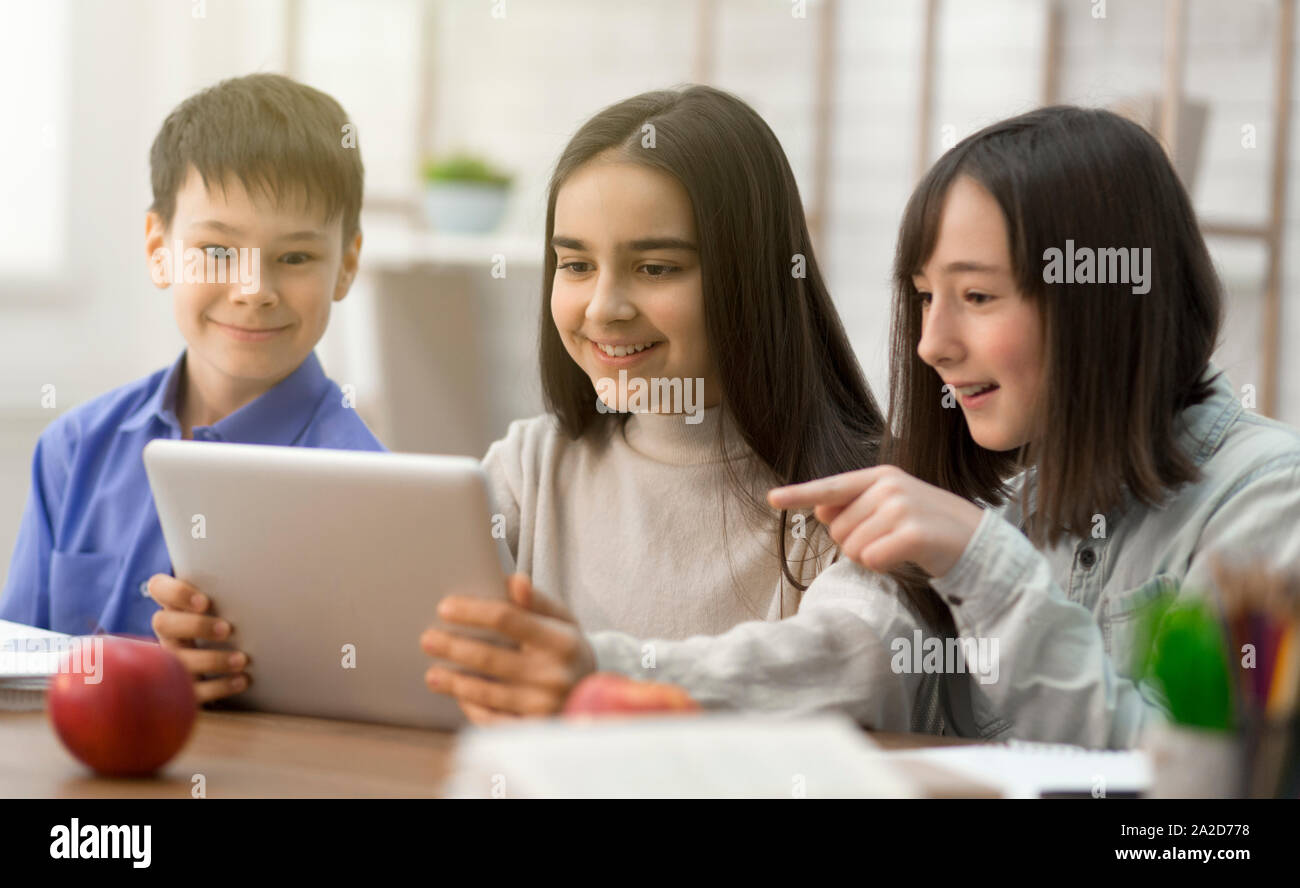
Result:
x=1119 y=366
x=788 y=375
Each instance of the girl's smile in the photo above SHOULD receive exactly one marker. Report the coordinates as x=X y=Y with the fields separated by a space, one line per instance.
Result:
x=621 y=355
x=975 y=396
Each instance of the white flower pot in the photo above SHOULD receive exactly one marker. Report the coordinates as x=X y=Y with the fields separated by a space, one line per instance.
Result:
x=464 y=207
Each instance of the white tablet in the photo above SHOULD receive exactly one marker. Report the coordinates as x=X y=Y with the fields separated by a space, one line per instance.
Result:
x=329 y=564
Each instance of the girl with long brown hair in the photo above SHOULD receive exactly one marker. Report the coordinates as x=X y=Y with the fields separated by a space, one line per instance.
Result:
x=678 y=262
x=1063 y=450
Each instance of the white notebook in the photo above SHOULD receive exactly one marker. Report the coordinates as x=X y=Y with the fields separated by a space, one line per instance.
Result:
x=25 y=668
x=1023 y=770
x=690 y=756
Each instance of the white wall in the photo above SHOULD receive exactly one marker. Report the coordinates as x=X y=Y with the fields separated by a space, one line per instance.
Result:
x=98 y=321
x=492 y=98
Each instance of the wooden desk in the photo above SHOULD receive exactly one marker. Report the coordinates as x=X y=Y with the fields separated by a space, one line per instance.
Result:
x=240 y=755
x=257 y=755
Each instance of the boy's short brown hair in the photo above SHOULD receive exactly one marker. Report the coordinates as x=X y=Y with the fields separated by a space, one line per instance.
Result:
x=277 y=136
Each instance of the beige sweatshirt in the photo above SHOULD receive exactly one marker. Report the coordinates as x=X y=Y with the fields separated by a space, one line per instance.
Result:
x=675 y=580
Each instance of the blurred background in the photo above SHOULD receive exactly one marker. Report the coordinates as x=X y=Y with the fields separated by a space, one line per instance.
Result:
x=462 y=107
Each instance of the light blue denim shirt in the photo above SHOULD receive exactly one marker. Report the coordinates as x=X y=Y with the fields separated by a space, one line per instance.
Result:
x=1065 y=618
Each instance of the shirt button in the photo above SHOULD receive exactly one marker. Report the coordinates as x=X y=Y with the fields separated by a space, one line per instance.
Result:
x=1087 y=558
x=144 y=588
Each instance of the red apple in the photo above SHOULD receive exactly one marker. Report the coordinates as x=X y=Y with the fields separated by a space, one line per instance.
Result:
x=123 y=706
x=608 y=693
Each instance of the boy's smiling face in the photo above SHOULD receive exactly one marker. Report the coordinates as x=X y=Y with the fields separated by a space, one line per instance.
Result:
x=240 y=344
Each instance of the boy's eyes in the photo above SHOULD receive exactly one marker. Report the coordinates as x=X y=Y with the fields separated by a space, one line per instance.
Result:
x=217 y=251
x=576 y=267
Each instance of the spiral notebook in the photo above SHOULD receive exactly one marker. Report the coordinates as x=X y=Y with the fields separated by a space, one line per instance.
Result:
x=28 y=657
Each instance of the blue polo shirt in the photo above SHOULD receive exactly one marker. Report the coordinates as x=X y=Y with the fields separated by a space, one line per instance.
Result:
x=90 y=537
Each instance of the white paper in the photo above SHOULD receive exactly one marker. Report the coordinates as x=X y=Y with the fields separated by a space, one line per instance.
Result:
x=687 y=756
x=28 y=655
x=1029 y=770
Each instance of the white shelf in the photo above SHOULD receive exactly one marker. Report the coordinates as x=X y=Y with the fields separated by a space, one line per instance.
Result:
x=390 y=247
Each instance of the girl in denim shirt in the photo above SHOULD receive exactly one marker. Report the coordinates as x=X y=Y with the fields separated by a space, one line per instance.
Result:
x=1063 y=448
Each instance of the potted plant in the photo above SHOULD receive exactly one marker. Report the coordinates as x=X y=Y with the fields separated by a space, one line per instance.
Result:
x=464 y=194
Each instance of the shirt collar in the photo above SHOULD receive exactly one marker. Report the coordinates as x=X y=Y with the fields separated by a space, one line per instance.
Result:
x=278 y=416
x=1200 y=430
x=160 y=404
x=1202 y=427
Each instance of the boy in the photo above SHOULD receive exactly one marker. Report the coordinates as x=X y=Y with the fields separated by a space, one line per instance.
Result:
x=255 y=228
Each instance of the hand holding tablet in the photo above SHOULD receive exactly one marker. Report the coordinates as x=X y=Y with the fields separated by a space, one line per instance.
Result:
x=533 y=678
x=183 y=621
x=326 y=565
